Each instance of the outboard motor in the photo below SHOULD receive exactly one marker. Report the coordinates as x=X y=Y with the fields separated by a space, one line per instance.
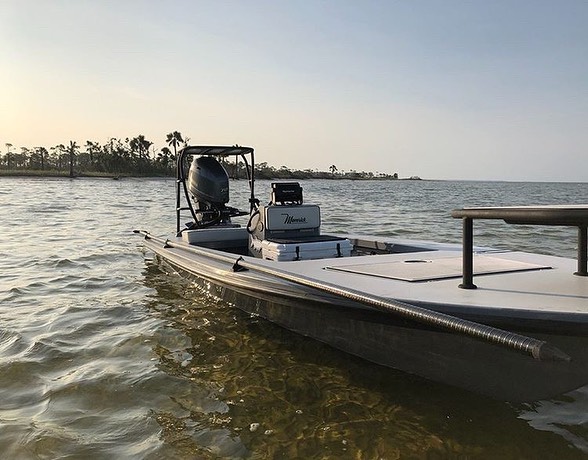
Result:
x=208 y=185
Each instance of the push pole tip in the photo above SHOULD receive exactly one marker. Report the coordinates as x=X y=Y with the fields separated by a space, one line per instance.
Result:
x=546 y=352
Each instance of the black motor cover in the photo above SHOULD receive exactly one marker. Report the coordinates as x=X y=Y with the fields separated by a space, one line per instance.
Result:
x=208 y=181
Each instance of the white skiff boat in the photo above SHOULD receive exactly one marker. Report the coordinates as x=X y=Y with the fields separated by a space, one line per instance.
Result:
x=509 y=325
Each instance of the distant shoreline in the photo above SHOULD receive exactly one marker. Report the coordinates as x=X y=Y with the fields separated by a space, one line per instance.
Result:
x=65 y=175
x=137 y=157
x=113 y=176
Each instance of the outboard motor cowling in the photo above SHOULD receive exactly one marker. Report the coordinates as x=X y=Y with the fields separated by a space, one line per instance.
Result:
x=208 y=186
x=208 y=181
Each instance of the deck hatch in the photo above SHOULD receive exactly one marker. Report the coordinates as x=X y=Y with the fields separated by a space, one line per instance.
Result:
x=414 y=270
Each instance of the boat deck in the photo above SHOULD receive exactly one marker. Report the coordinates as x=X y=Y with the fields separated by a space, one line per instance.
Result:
x=512 y=285
x=528 y=283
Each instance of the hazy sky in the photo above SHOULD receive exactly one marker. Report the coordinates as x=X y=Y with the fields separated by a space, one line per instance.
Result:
x=443 y=89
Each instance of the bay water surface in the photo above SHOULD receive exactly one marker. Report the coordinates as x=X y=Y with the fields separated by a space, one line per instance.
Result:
x=104 y=354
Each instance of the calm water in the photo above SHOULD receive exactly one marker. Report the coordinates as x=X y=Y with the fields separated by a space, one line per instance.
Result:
x=105 y=355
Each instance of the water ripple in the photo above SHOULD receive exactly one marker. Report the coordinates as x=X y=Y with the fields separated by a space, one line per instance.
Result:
x=104 y=356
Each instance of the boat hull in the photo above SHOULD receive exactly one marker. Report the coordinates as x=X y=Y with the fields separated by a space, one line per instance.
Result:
x=382 y=338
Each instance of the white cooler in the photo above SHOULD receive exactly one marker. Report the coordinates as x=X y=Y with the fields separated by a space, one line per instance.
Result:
x=290 y=251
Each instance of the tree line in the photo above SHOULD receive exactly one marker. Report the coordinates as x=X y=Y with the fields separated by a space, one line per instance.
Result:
x=137 y=157
x=132 y=156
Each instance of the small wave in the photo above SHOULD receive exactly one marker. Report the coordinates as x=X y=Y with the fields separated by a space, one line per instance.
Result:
x=11 y=344
x=55 y=262
x=49 y=208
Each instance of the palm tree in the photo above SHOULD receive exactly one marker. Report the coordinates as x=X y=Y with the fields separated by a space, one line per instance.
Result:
x=8 y=155
x=164 y=157
x=92 y=148
x=38 y=157
x=57 y=152
x=173 y=140
x=141 y=146
x=72 y=149
x=44 y=154
x=25 y=157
